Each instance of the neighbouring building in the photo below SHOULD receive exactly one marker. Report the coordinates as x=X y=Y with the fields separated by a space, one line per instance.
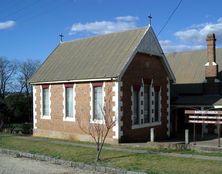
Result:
x=76 y=77
x=198 y=85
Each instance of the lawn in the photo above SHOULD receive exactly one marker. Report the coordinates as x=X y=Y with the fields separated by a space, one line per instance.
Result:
x=149 y=163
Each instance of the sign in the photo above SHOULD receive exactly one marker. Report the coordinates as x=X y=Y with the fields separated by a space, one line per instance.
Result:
x=202 y=112
x=205 y=117
x=205 y=121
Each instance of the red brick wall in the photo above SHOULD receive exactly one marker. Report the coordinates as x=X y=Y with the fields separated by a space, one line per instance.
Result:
x=148 y=67
x=56 y=127
x=211 y=70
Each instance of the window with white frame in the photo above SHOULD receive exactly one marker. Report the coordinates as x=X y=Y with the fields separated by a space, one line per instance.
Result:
x=136 y=105
x=157 y=105
x=45 y=100
x=69 y=101
x=97 y=102
x=146 y=103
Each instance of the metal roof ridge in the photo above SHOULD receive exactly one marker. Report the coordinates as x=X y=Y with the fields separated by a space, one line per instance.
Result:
x=103 y=35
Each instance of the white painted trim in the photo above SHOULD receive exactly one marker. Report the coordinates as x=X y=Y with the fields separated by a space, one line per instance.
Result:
x=46 y=117
x=94 y=121
x=212 y=64
x=207 y=64
x=91 y=102
x=146 y=125
x=50 y=100
x=74 y=81
x=115 y=99
x=34 y=108
x=65 y=118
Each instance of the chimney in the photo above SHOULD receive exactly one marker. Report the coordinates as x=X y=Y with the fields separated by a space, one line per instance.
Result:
x=211 y=68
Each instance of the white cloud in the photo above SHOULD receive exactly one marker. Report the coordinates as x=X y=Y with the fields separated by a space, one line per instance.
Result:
x=168 y=46
x=120 y=23
x=198 y=33
x=193 y=37
x=7 y=25
x=127 y=18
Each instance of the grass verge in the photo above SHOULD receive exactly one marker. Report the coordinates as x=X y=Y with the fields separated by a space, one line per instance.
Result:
x=138 y=162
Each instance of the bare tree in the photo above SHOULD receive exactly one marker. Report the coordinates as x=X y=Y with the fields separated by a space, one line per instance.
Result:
x=7 y=70
x=99 y=129
x=25 y=71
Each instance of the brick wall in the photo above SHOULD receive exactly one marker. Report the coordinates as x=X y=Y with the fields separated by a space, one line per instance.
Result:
x=57 y=127
x=143 y=67
x=211 y=68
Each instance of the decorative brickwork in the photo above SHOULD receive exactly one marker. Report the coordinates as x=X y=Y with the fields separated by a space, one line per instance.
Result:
x=143 y=66
x=56 y=127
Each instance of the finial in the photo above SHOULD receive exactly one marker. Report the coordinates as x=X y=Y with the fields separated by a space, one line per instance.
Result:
x=61 y=37
x=150 y=19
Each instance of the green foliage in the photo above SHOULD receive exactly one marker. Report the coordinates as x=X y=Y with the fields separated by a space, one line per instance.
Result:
x=25 y=128
x=16 y=108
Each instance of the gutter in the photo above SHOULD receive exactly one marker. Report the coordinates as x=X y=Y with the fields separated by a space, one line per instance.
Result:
x=75 y=81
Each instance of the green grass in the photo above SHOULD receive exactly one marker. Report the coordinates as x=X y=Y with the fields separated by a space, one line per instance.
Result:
x=149 y=163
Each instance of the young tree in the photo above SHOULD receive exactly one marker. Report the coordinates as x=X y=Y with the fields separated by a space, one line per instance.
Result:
x=25 y=71
x=99 y=129
x=7 y=70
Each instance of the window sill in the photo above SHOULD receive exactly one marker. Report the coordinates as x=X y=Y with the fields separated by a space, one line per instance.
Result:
x=46 y=117
x=69 y=119
x=97 y=121
x=138 y=126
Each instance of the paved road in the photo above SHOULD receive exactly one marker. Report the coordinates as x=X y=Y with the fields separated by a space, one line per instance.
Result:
x=13 y=165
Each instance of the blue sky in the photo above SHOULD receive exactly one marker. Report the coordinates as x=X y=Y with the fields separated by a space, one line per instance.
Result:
x=29 y=29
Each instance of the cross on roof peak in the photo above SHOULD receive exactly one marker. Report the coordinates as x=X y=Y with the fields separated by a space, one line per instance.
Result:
x=150 y=19
x=61 y=37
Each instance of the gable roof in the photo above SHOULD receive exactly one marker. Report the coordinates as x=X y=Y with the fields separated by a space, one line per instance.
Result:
x=188 y=67
x=98 y=57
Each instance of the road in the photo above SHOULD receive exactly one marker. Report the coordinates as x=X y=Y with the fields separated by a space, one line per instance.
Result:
x=13 y=165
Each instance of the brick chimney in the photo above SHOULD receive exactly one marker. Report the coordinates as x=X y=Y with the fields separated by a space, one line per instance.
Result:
x=211 y=67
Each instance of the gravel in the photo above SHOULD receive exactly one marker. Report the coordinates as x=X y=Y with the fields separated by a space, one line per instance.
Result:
x=10 y=164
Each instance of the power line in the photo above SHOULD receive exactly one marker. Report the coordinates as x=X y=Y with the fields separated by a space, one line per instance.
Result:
x=171 y=15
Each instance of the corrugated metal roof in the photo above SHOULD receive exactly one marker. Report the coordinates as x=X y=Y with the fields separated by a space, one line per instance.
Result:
x=188 y=67
x=90 y=58
x=98 y=57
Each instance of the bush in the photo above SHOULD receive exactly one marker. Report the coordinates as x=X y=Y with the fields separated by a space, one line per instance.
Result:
x=25 y=128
